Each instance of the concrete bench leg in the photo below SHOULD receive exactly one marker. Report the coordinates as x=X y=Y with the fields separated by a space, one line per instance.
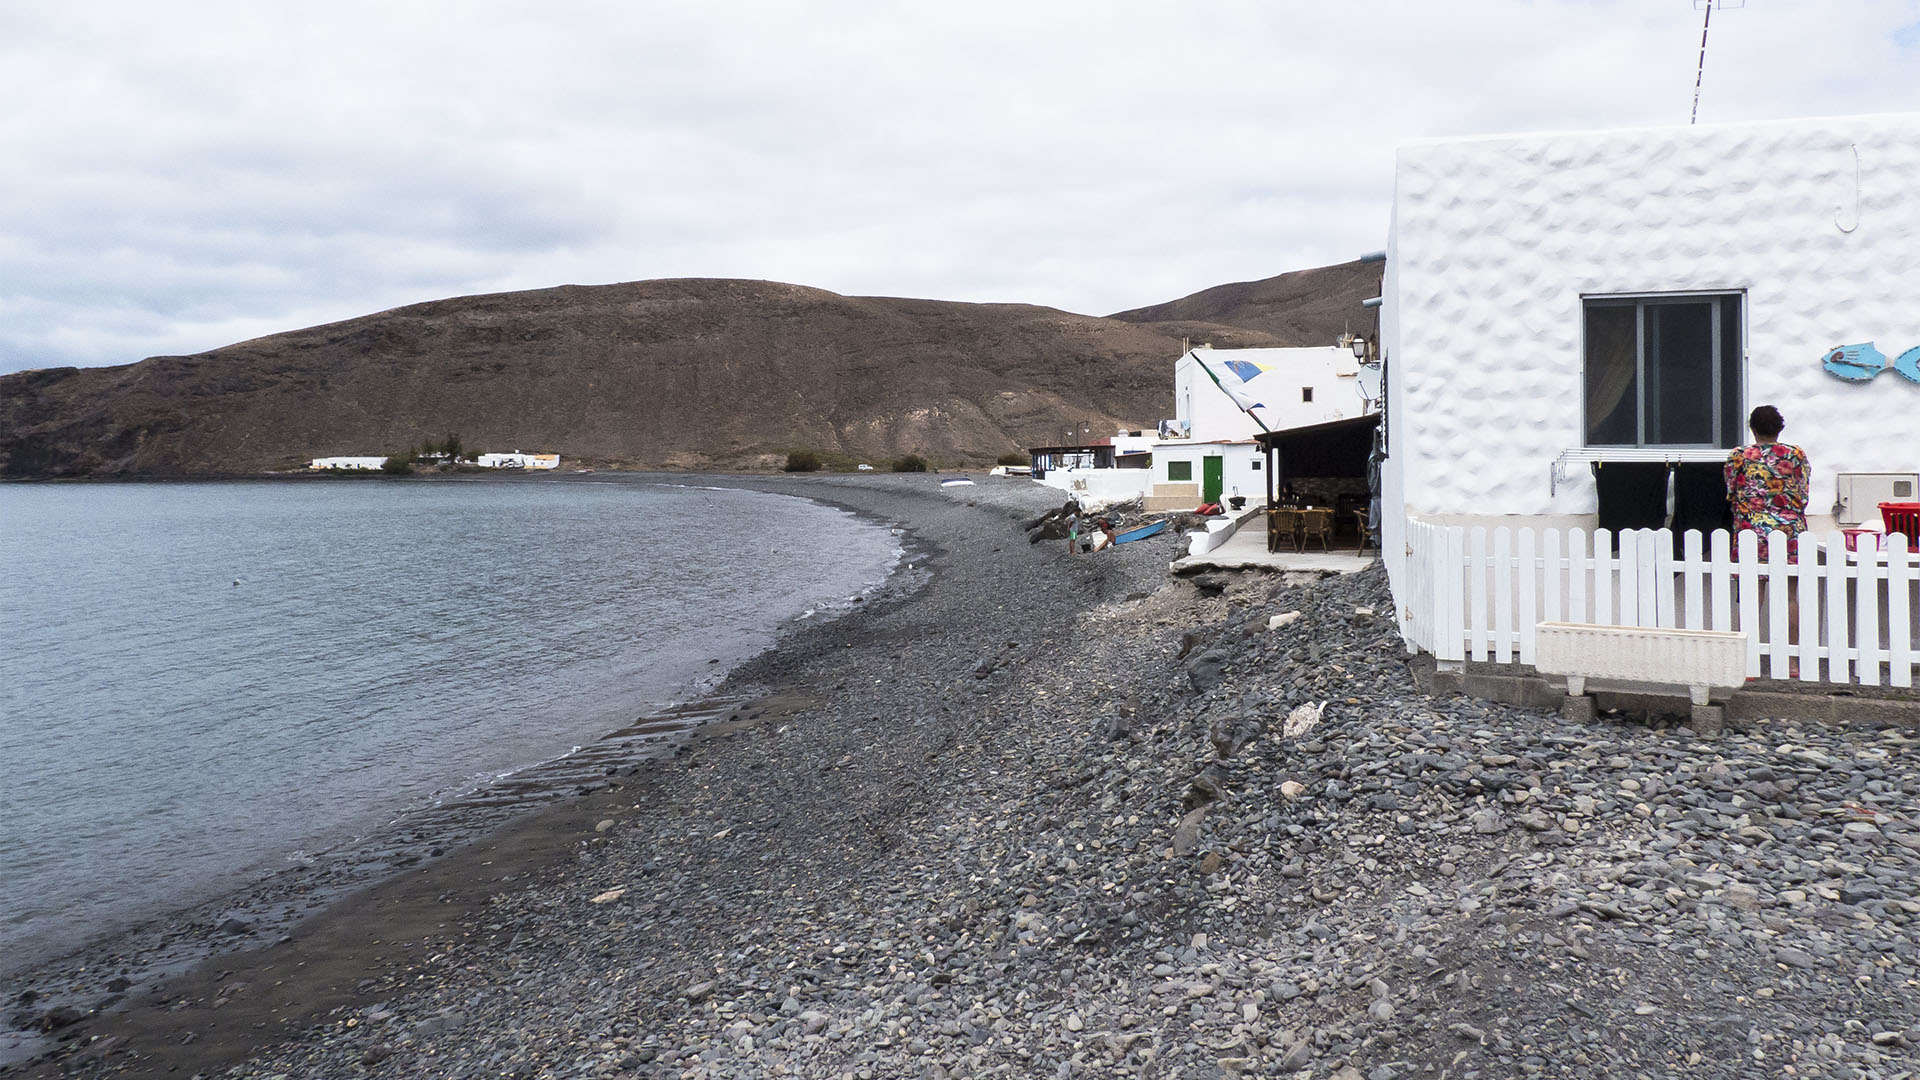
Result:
x=1708 y=719
x=1577 y=708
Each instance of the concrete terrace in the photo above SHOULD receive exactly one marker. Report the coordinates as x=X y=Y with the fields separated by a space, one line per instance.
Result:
x=1246 y=549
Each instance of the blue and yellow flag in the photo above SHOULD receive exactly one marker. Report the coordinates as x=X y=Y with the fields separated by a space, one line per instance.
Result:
x=1232 y=377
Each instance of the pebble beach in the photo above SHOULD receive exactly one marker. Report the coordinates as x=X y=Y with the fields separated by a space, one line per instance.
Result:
x=1033 y=815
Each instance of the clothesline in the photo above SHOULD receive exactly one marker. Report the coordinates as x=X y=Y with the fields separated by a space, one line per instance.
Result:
x=1653 y=454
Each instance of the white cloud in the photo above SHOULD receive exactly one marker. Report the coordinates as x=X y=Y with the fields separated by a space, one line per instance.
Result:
x=177 y=178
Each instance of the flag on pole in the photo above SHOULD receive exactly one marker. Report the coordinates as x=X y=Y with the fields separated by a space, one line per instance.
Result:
x=1232 y=377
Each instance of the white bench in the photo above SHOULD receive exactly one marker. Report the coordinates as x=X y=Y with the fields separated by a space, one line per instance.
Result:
x=1704 y=661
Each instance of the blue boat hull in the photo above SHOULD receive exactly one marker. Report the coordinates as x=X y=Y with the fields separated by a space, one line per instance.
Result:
x=1140 y=533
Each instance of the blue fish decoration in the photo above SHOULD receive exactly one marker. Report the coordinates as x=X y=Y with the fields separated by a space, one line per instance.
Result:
x=1861 y=363
x=1855 y=363
x=1907 y=364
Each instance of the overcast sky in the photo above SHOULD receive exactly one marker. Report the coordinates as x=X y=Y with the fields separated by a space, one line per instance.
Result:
x=176 y=177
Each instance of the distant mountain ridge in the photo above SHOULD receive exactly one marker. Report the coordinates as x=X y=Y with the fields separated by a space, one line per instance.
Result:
x=1304 y=307
x=672 y=373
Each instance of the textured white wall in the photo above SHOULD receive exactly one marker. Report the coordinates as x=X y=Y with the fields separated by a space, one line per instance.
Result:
x=1495 y=241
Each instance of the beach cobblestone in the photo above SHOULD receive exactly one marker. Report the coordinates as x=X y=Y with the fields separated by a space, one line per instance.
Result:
x=1014 y=835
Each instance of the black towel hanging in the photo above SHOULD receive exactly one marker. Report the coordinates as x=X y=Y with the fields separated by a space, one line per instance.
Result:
x=1699 y=502
x=1633 y=495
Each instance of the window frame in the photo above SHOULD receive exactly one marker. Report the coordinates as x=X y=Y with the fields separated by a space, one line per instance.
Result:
x=1639 y=302
x=1187 y=466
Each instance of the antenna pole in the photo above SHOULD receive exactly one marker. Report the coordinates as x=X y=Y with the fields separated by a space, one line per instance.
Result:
x=1701 y=74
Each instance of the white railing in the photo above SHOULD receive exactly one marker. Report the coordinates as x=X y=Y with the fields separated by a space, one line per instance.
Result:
x=1478 y=594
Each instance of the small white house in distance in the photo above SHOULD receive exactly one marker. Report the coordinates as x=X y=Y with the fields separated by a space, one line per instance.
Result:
x=517 y=460
x=1553 y=302
x=1207 y=452
x=347 y=463
x=1097 y=472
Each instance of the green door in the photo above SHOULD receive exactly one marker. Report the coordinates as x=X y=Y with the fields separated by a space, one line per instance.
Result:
x=1211 y=479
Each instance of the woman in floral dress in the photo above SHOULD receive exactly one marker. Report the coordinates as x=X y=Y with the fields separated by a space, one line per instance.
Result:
x=1767 y=483
x=1767 y=487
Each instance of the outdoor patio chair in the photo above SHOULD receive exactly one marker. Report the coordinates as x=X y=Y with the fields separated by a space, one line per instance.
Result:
x=1316 y=523
x=1283 y=525
x=1366 y=535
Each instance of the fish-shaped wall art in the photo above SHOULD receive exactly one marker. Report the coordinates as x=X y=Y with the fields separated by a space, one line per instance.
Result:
x=1860 y=363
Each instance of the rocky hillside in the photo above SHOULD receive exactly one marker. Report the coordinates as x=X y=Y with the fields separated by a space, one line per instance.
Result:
x=1306 y=307
x=694 y=373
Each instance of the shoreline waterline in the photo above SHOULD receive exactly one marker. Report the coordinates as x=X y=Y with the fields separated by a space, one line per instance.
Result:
x=108 y=971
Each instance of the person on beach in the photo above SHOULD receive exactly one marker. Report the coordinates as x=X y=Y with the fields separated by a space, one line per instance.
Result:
x=1105 y=535
x=1072 y=510
x=1767 y=482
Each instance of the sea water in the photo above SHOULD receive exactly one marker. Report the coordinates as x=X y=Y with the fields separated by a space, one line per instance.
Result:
x=201 y=682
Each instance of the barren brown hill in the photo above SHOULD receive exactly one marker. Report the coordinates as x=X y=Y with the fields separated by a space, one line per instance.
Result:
x=1305 y=307
x=675 y=374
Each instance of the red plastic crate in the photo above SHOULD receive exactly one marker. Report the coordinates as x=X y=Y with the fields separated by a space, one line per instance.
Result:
x=1902 y=517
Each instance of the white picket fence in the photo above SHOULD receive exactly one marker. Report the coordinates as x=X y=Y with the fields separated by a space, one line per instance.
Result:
x=1478 y=594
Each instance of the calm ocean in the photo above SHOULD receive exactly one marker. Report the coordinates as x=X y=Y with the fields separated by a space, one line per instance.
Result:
x=203 y=682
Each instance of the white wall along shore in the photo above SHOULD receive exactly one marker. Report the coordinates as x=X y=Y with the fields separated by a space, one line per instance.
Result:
x=514 y=460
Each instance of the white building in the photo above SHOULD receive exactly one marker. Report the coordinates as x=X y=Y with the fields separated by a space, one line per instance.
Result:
x=349 y=463
x=1217 y=458
x=517 y=460
x=1097 y=472
x=1555 y=300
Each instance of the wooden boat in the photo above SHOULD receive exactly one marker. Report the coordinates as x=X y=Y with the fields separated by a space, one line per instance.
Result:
x=1141 y=532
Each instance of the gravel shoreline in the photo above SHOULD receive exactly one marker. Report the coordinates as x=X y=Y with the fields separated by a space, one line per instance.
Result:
x=1057 y=816
x=100 y=975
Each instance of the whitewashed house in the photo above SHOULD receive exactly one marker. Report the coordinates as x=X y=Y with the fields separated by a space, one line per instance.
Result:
x=350 y=464
x=1096 y=471
x=1625 y=298
x=518 y=460
x=1208 y=453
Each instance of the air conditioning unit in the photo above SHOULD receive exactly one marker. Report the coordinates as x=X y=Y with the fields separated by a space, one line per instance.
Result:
x=1861 y=494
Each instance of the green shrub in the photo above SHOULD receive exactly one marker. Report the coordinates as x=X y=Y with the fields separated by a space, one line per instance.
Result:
x=399 y=464
x=448 y=449
x=1014 y=459
x=802 y=461
x=910 y=463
